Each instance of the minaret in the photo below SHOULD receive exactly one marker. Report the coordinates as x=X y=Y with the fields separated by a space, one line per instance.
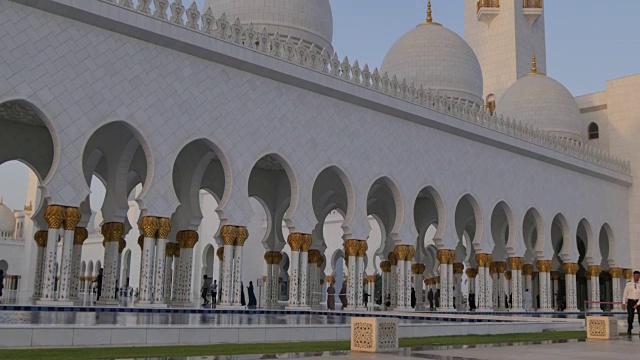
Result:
x=503 y=35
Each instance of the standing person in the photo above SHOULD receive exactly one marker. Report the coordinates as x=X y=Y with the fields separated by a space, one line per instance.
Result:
x=214 y=293
x=99 y=287
x=472 y=301
x=430 y=298
x=331 y=297
x=243 y=302
x=413 y=297
x=252 y=297
x=343 y=295
x=631 y=300
x=527 y=300
x=437 y=296
x=205 y=290
x=1 y=282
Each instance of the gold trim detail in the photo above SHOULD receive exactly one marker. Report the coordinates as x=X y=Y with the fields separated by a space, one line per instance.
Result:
x=164 y=228
x=149 y=226
x=54 y=216
x=72 y=218
x=80 y=235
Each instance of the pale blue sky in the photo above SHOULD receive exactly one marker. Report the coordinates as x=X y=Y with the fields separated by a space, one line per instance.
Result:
x=588 y=42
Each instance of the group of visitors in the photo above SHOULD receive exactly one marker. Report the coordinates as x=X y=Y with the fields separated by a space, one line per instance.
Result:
x=210 y=288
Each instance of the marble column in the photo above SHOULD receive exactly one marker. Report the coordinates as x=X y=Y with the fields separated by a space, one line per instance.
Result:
x=40 y=237
x=176 y=286
x=315 y=262
x=267 y=299
x=242 y=234
x=164 y=227
x=351 y=247
x=393 y=278
x=122 y=244
x=55 y=220
x=187 y=240
x=295 y=243
x=385 y=268
x=360 y=271
x=371 y=290
x=570 y=271
x=418 y=278
x=501 y=293
x=72 y=217
x=402 y=252
x=149 y=230
x=458 y=270
x=471 y=276
x=527 y=274
x=81 y=234
x=594 y=271
x=220 y=254
x=616 y=275
x=228 y=235
x=112 y=232
x=411 y=252
x=544 y=268
x=303 y=266
x=168 y=270
x=484 y=291
x=517 y=290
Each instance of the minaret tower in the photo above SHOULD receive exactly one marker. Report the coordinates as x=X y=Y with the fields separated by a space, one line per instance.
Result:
x=504 y=34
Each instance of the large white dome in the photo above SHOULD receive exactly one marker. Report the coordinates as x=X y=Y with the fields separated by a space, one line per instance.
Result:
x=7 y=219
x=309 y=20
x=437 y=58
x=541 y=101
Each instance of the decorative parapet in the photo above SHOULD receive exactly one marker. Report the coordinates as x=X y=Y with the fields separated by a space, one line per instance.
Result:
x=320 y=60
x=483 y=4
x=532 y=4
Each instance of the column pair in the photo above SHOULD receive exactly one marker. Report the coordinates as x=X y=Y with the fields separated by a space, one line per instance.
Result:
x=171 y=249
x=471 y=276
x=155 y=232
x=80 y=235
x=40 y=237
x=571 y=289
x=298 y=277
x=371 y=290
x=233 y=238
x=484 y=288
x=497 y=270
x=112 y=233
x=183 y=266
x=593 y=272
x=446 y=259
x=616 y=276
x=516 y=288
x=418 y=277
x=545 y=291
x=527 y=276
x=354 y=252
x=272 y=273
x=405 y=255
x=458 y=270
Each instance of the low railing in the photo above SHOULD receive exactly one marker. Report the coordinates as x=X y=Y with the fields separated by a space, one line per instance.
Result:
x=487 y=4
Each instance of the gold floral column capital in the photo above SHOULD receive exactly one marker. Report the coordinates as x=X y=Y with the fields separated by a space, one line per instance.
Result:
x=594 y=270
x=141 y=241
x=516 y=263
x=402 y=252
x=121 y=245
x=220 y=253
x=80 y=235
x=471 y=273
x=307 y=240
x=164 y=228
x=71 y=218
x=41 y=238
x=242 y=234
x=385 y=266
x=484 y=260
x=351 y=247
x=149 y=226
x=507 y=275
x=443 y=256
x=331 y=279
x=54 y=216
x=371 y=278
x=527 y=269
x=393 y=258
x=417 y=268
x=615 y=272
x=190 y=238
x=112 y=231
x=627 y=273
x=501 y=266
x=228 y=234
x=362 y=248
x=570 y=268
x=176 y=249
x=555 y=275
x=168 y=249
x=411 y=252
x=295 y=241
x=544 y=265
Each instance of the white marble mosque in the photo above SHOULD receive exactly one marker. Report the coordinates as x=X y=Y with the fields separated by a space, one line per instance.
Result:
x=232 y=141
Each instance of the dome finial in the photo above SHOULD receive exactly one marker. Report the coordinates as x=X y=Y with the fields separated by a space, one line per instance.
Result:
x=429 y=16
x=534 y=64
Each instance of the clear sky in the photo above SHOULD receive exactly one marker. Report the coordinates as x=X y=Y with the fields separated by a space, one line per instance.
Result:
x=588 y=43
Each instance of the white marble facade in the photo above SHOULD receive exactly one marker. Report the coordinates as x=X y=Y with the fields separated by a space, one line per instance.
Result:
x=183 y=102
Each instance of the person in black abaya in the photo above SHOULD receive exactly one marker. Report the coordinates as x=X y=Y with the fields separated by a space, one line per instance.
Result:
x=252 y=297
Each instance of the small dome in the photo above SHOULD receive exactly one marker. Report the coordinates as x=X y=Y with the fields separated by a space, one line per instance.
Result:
x=437 y=58
x=541 y=101
x=7 y=219
x=309 y=20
